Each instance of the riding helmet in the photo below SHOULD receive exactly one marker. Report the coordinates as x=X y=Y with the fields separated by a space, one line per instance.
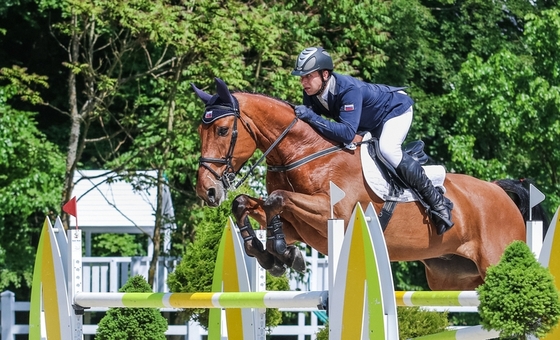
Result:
x=312 y=59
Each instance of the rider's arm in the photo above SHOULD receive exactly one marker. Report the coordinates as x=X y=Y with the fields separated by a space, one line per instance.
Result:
x=344 y=129
x=338 y=131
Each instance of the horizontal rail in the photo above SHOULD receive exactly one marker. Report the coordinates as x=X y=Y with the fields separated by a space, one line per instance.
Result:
x=270 y=299
x=437 y=298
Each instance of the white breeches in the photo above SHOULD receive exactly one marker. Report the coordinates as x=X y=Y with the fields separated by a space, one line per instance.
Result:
x=392 y=136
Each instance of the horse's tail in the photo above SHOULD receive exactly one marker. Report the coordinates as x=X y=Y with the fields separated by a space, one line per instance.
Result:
x=517 y=190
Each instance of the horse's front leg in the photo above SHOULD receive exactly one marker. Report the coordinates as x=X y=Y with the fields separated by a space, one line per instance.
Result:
x=244 y=206
x=307 y=215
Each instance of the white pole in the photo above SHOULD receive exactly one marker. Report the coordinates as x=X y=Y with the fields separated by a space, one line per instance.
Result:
x=75 y=280
x=535 y=236
x=336 y=237
x=259 y=286
x=534 y=228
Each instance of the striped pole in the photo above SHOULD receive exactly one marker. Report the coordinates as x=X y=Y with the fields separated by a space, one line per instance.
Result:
x=437 y=298
x=467 y=333
x=271 y=299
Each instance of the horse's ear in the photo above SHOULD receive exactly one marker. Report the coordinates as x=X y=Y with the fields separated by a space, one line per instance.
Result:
x=223 y=91
x=205 y=97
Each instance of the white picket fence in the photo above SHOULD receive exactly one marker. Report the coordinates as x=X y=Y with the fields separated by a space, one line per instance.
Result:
x=108 y=274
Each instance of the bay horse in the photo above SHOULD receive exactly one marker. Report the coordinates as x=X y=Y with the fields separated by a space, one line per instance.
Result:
x=297 y=208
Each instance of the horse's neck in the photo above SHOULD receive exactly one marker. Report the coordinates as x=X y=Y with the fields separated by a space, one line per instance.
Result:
x=271 y=118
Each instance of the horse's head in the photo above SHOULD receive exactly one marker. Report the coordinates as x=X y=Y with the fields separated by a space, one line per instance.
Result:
x=226 y=144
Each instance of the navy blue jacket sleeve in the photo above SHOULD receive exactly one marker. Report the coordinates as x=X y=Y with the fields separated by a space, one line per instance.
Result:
x=342 y=132
x=347 y=117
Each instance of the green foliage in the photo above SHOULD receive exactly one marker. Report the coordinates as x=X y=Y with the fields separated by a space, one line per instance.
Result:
x=31 y=171
x=413 y=322
x=22 y=84
x=323 y=333
x=518 y=297
x=504 y=109
x=118 y=245
x=409 y=276
x=195 y=271
x=133 y=323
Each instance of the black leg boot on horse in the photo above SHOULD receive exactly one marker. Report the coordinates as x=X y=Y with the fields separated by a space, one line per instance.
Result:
x=440 y=206
x=289 y=255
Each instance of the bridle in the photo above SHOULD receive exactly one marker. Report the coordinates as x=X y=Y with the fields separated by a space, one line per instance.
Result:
x=228 y=175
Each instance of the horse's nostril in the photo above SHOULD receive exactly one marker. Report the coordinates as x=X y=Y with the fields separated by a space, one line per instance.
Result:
x=211 y=193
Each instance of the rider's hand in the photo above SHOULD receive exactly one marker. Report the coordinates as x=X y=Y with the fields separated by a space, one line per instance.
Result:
x=357 y=139
x=304 y=113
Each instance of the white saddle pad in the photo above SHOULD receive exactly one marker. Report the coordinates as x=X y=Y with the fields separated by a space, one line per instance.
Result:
x=372 y=174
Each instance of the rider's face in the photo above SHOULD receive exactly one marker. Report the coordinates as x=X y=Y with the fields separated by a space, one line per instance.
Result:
x=312 y=82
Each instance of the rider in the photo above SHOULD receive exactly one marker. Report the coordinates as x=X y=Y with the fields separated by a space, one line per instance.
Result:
x=355 y=105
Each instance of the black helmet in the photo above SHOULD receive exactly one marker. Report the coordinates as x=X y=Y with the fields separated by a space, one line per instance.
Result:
x=312 y=59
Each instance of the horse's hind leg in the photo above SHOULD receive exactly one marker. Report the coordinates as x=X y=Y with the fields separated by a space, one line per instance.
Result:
x=242 y=207
x=455 y=273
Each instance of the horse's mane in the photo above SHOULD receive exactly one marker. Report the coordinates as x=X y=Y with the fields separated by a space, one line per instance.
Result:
x=266 y=96
x=308 y=130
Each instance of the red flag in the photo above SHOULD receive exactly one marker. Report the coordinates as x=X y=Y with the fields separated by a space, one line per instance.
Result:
x=70 y=207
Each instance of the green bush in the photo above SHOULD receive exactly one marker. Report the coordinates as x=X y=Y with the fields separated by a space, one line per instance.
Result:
x=518 y=297
x=413 y=322
x=133 y=323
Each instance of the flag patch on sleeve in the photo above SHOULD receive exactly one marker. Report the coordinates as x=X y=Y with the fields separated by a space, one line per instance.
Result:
x=349 y=107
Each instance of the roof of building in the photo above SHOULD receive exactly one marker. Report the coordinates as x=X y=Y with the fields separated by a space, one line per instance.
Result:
x=106 y=202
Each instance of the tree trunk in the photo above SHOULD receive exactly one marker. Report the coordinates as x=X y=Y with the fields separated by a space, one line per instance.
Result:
x=156 y=238
x=72 y=155
x=160 y=218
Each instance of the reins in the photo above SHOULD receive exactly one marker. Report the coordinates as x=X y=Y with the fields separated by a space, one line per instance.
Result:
x=229 y=173
x=284 y=133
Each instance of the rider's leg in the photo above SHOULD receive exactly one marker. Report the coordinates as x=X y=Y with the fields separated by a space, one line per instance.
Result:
x=411 y=171
x=392 y=136
x=390 y=144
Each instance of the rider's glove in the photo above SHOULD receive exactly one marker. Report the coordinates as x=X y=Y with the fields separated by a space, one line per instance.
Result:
x=304 y=113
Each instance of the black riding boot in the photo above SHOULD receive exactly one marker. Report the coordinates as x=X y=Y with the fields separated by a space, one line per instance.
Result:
x=413 y=173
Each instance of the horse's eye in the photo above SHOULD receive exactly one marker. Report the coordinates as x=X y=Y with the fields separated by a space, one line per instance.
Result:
x=223 y=131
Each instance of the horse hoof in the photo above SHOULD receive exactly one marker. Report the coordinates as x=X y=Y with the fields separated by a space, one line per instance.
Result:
x=277 y=270
x=299 y=262
x=267 y=263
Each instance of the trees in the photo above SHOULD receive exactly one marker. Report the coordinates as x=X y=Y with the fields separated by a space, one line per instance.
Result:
x=30 y=178
x=505 y=111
